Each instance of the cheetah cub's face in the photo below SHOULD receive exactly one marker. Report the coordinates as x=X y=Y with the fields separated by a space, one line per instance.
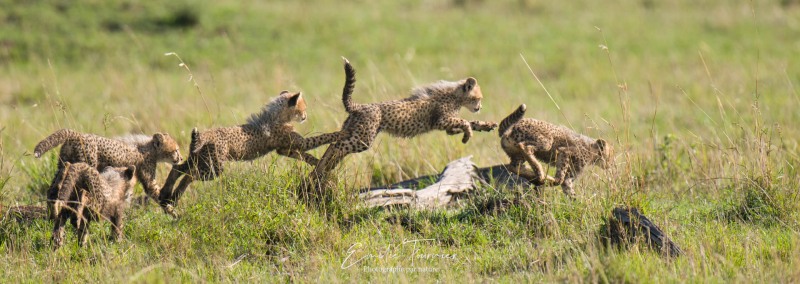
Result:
x=605 y=154
x=296 y=107
x=167 y=148
x=471 y=95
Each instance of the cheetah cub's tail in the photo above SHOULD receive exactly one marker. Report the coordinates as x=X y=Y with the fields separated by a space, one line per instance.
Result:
x=55 y=139
x=512 y=119
x=196 y=143
x=349 y=86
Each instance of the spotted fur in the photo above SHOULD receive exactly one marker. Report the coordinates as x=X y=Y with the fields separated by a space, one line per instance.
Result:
x=266 y=131
x=430 y=107
x=530 y=140
x=86 y=195
x=141 y=151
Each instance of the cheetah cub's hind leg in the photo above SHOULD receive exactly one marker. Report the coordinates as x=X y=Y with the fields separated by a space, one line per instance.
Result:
x=83 y=234
x=539 y=174
x=58 y=230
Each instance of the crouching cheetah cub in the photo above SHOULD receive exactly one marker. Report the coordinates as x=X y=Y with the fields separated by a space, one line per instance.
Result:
x=266 y=131
x=430 y=107
x=86 y=195
x=141 y=151
x=556 y=145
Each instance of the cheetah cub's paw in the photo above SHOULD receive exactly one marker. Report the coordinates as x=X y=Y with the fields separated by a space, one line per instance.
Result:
x=483 y=125
x=170 y=210
x=466 y=138
x=546 y=181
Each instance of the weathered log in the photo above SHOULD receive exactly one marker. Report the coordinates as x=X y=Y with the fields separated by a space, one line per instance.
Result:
x=626 y=225
x=458 y=178
x=500 y=176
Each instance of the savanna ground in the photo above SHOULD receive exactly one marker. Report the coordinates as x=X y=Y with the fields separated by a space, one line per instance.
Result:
x=699 y=98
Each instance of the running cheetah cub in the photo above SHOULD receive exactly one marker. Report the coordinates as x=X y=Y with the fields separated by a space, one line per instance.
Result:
x=141 y=151
x=266 y=131
x=430 y=107
x=86 y=195
x=556 y=145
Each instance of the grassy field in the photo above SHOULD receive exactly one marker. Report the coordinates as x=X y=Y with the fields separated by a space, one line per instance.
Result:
x=700 y=100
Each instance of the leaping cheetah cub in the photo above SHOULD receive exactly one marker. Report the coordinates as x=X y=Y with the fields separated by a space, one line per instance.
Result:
x=266 y=131
x=86 y=195
x=556 y=145
x=141 y=151
x=430 y=107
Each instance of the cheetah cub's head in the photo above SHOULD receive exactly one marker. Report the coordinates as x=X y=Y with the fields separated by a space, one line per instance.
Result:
x=605 y=154
x=295 y=107
x=471 y=94
x=167 y=148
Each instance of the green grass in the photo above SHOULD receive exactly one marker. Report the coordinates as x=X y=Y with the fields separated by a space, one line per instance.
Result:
x=699 y=99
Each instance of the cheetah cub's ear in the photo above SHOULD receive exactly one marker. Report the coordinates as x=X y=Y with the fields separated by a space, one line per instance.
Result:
x=605 y=153
x=158 y=140
x=293 y=99
x=469 y=84
x=129 y=173
x=601 y=145
x=283 y=92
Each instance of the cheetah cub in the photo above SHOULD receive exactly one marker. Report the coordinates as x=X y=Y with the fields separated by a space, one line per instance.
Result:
x=525 y=138
x=430 y=107
x=141 y=151
x=86 y=195
x=266 y=131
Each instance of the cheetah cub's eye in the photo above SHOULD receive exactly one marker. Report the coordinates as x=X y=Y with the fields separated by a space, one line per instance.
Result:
x=478 y=105
x=473 y=104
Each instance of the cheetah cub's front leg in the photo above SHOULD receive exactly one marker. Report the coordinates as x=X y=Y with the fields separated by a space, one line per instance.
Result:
x=484 y=126
x=566 y=171
x=454 y=125
x=298 y=155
